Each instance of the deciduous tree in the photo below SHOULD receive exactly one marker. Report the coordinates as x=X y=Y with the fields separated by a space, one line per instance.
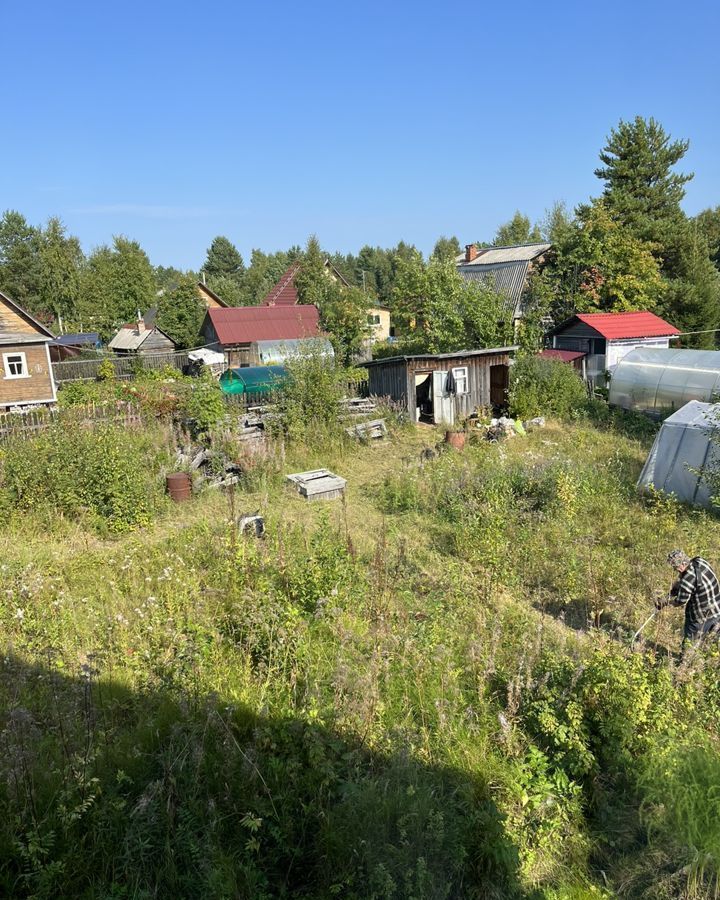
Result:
x=517 y=231
x=20 y=262
x=180 y=313
x=117 y=283
x=343 y=309
x=61 y=260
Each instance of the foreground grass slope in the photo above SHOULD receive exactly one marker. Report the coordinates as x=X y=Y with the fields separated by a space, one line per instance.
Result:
x=422 y=692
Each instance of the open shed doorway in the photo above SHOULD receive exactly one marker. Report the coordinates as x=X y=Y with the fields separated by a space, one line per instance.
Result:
x=424 y=397
x=499 y=384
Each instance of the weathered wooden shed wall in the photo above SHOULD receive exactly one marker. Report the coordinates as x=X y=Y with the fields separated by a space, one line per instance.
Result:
x=396 y=377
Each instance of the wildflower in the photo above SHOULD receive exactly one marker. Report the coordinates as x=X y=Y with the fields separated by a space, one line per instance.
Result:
x=20 y=614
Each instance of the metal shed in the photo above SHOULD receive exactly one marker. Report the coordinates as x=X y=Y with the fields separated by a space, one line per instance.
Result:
x=658 y=382
x=443 y=388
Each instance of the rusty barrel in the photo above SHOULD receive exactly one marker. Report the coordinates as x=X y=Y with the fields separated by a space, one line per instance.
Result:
x=179 y=486
x=455 y=439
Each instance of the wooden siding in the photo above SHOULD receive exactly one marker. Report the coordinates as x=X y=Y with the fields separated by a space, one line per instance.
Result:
x=396 y=379
x=12 y=322
x=156 y=342
x=38 y=387
x=207 y=298
x=237 y=356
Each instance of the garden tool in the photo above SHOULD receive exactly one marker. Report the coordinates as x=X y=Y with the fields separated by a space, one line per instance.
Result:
x=642 y=627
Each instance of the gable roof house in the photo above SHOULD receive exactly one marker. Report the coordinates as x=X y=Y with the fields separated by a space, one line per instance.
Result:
x=26 y=377
x=234 y=329
x=142 y=337
x=284 y=293
x=505 y=270
x=605 y=338
x=210 y=299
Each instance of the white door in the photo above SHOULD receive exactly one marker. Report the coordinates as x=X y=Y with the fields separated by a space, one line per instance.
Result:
x=443 y=402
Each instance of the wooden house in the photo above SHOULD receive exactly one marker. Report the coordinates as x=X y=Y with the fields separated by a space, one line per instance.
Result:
x=234 y=330
x=504 y=270
x=379 y=323
x=26 y=377
x=141 y=338
x=443 y=388
x=210 y=299
x=605 y=338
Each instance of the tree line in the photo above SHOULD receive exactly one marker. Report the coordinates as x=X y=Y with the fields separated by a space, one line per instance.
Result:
x=631 y=247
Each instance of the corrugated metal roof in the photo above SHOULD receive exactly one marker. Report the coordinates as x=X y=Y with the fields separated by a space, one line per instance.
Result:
x=78 y=339
x=284 y=293
x=516 y=253
x=621 y=325
x=457 y=354
x=506 y=279
x=245 y=324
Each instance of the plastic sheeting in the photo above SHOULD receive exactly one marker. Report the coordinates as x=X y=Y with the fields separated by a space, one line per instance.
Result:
x=660 y=381
x=686 y=445
x=271 y=353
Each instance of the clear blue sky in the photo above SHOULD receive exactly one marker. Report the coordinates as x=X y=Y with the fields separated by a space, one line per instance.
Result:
x=365 y=123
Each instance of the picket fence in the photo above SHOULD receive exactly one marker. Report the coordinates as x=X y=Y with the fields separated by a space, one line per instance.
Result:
x=27 y=424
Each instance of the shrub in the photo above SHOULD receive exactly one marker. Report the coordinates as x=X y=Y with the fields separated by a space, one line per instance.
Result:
x=106 y=472
x=106 y=371
x=308 y=400
x=204 y=404
x=79 y=393
x=545 y=387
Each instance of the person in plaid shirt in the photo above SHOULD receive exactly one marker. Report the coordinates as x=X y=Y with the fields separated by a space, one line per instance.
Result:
x=698 y=590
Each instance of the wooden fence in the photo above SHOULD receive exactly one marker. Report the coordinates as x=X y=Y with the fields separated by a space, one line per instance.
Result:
x=124 y=366
x=34 y=421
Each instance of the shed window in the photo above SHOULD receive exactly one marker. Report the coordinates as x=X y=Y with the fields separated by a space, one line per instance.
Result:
x=15 y=365
x=461 y=379
x=374 y=319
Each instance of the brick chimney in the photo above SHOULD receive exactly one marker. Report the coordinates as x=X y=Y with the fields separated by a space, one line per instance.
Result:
x=471 y=252
x=140 y=323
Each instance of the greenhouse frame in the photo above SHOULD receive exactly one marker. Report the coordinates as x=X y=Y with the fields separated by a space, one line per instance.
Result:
x=658 y=382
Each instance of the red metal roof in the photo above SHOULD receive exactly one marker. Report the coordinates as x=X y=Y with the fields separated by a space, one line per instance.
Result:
x=284 y=293
x=244 y=324
x=616 y=326
x=564 y=355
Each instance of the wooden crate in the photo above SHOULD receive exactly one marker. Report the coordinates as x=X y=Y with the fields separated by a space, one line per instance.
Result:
x=320 y=484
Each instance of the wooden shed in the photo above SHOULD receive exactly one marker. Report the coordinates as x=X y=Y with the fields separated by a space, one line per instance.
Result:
x=445 y=387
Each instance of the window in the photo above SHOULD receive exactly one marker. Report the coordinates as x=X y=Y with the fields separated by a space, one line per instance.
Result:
x=461 y=379
x=15 y=365
x=373 y=319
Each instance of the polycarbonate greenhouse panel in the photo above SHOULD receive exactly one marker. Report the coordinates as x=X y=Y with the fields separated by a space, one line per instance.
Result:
x=685 y=450
x=660 y=381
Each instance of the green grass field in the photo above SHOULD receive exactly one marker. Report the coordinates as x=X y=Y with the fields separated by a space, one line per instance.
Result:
x=423 y=691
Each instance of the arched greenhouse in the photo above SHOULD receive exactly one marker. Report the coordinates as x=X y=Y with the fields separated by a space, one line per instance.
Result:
x=658 y=382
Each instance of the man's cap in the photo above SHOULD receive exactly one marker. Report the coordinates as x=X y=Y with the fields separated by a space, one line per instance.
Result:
x=678 y=558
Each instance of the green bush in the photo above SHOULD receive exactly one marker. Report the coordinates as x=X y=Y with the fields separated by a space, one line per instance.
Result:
x=307 y=401
x=106 y=371
x=541 y=387
x=204 y=404
x=105 y=472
